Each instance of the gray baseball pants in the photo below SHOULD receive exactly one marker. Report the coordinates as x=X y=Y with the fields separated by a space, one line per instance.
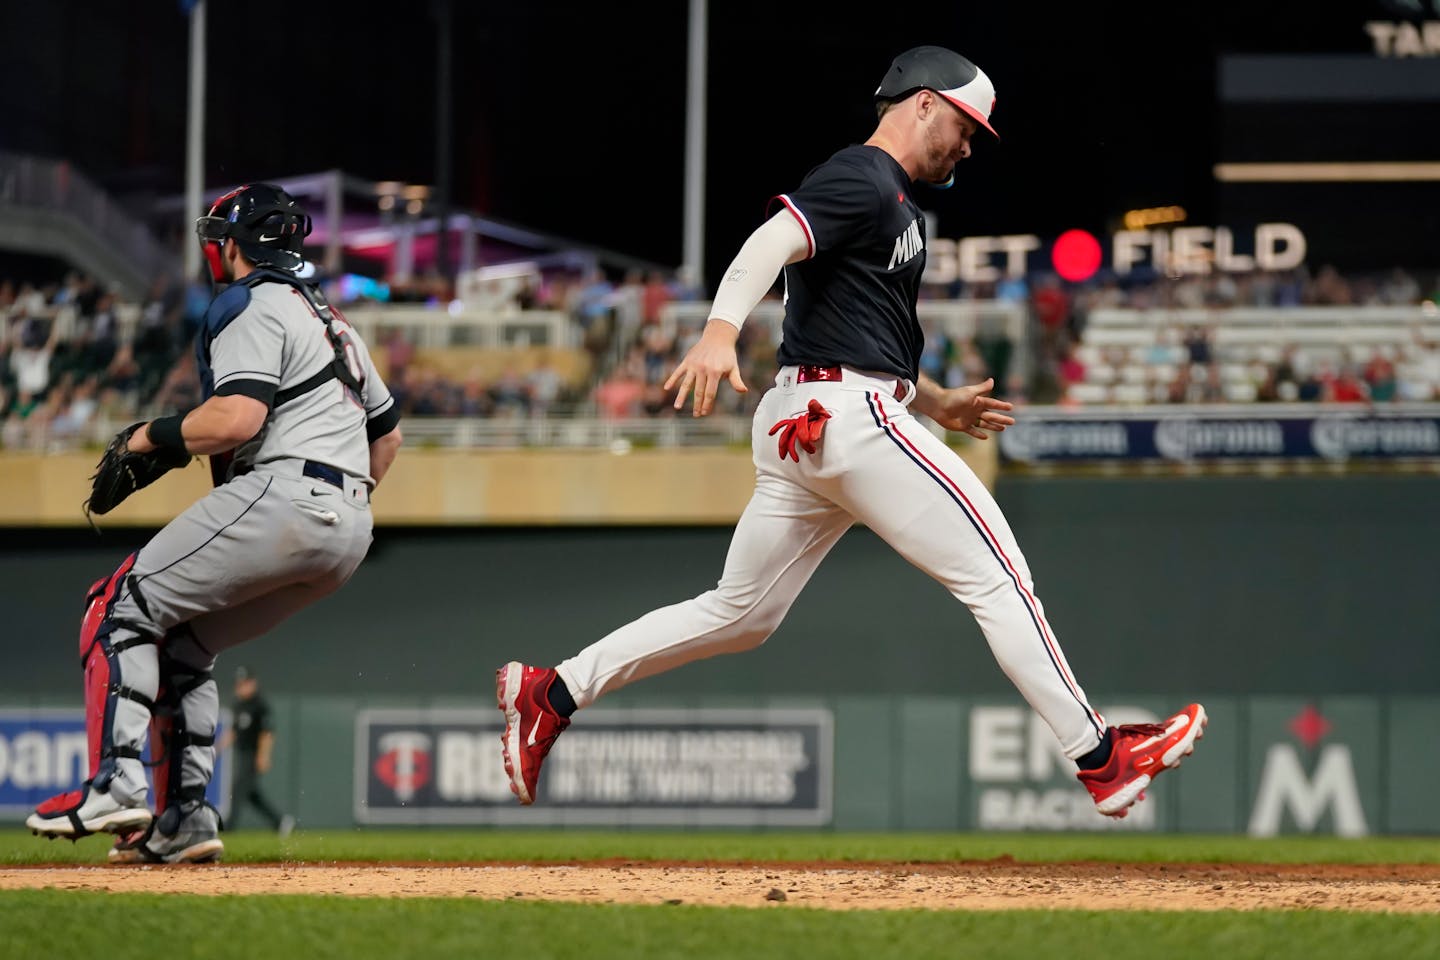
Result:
x=240 y=560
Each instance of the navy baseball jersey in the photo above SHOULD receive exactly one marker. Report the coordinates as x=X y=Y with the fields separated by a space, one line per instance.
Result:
x=852 y=302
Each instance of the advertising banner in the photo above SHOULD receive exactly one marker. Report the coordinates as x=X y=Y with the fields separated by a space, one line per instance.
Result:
x=1049 y=436
x=622 y=767
x=1022 y=781
x=43 y=752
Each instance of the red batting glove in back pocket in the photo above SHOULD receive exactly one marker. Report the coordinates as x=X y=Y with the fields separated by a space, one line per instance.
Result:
x=802 y=431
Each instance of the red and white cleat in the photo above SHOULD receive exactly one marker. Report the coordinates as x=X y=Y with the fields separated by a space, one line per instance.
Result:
x=531 y=724
x=1138 y=754
x=82 y=812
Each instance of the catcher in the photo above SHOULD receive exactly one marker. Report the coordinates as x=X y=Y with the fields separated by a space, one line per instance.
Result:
x=299 y=430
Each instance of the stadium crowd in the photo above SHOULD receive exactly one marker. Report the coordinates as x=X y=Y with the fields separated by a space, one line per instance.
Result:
x=72 y=352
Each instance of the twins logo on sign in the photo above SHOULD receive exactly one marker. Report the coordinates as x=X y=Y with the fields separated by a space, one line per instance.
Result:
x=404 y=764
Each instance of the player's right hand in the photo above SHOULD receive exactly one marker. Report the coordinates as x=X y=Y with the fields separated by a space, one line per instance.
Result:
x=711 y=360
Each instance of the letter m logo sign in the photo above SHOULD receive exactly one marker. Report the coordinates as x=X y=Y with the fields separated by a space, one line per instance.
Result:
x=1284 y=785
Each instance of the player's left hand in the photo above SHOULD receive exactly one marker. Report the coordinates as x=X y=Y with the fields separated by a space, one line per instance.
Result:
x=129 y=463
x=968 y=410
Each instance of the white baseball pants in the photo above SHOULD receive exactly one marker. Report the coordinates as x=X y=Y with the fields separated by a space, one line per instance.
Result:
x=877 y=465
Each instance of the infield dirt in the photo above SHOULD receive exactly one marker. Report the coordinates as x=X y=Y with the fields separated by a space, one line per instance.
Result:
x=1001 y=884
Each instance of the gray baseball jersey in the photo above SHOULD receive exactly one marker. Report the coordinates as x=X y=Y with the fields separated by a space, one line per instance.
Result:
x=268 y=341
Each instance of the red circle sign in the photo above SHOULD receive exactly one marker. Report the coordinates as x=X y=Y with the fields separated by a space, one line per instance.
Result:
x=1076 y=255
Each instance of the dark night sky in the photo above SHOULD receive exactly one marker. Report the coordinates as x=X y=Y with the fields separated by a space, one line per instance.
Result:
x=569 y=117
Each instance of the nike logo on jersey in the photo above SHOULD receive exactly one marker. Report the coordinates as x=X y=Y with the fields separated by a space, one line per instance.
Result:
x=319 y=493
x=907 y=245
x=531 y=739
x=266 y=238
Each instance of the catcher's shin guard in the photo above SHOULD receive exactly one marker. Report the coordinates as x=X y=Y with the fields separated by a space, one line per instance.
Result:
x=93 y=662
x=119 y=663
x=189 y=709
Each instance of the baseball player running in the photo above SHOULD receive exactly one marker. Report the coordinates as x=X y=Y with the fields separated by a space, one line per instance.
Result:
x=835 y=442
x=300 y=430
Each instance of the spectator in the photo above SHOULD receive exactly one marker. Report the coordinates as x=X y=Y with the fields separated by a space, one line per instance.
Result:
x=1268 y=390
x=1178 y=390
x=509 y=392
x=1380 y=379
x=594 y=301
x=180 y=389
x=1347 y=387
x=527 y=297
x=99 y=337
x=399 y=351
x=1312 y=386
x=74 y=415
x=966 y=365
x=1052 y=312
x=1069 y=369
x=123 y=372
x=618 y=396
x=1420 y=379
x=659 y=353
x=31 y=349
x=30 y=300
x=1210 y=389
x=1400 y=289
x=543 y=384
x=657 y=294
x=1197 y=345
x=475 y=397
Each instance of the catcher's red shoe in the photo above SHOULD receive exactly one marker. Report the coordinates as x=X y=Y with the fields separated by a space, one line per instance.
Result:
x=531 y=724
x=1138 y=753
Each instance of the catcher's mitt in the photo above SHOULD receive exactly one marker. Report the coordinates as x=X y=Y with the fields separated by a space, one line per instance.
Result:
x=121 y=472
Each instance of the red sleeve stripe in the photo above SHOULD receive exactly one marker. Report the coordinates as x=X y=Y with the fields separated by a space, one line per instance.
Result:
x=804 y=224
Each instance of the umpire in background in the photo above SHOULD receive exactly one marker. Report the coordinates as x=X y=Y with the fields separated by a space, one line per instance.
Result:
x=253 y=739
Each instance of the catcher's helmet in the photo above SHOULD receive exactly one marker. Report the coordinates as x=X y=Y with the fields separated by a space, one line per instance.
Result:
x=948 y=74
x=263 y=220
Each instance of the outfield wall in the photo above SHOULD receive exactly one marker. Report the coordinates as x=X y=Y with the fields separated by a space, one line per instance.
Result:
x=1258 y=596
x=1242 y=586
x=1351 y=766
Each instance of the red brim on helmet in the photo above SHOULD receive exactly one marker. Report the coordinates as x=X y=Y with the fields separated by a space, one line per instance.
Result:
x=975 y=98
x=962 y=100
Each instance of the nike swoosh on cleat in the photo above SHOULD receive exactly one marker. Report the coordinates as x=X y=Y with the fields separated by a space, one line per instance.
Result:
x=1170 y=731
x=530 y=741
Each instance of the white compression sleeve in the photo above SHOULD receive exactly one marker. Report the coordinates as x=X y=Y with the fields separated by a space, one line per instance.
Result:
x=777 y=241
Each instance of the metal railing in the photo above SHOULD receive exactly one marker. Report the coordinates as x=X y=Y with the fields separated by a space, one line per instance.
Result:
x=56 y=186
x=446 y=327
x=495 y=433
x=960 y=319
